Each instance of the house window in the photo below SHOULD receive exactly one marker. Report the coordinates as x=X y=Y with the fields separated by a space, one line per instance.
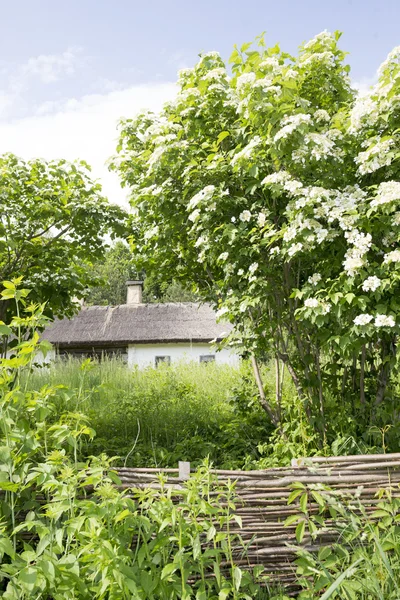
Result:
x=207 y=358
x=163 y=359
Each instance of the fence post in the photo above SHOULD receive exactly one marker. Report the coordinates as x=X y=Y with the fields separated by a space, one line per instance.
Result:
x=184 y=470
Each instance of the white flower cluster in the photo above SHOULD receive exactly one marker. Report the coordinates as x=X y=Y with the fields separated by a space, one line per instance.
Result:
x=283 y=179
x=317 y=59
x=384 y=321
x=324 y=307
x=224 y=256
x=371 y=284
x=274 y=250
x=262 y=217
x=388 y=191
x=380 y=320
x=245 y=80
x=217 y=73
x=191 y=92
x=393 y=256
x=247 y=151
x=321 y=116
x=290 y=124
x=318 y=146
x=184 y=73
x=270 y=63
x=253 y=267
x=314 y=279
x=354 y=258
x=201 y=197
x=245 y=216
x=392 y=62
x=375 y=157
x=365 y=112
x=295 y=248
x=363 y=319
x=324 y=39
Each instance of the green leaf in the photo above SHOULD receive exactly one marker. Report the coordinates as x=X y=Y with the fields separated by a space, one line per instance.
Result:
x=237 y=577
x=122 y=515
x=303 y=502
x=168 y=570
x=293 y=495
x=48 y=570
x=222 y=136
x=4 y=330
x=300 y=530
x=28 y=577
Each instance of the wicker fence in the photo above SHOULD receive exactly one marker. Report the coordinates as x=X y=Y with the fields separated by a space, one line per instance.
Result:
x=263 y=501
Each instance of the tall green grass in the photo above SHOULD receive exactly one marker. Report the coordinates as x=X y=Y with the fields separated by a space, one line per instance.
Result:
x=156 y=417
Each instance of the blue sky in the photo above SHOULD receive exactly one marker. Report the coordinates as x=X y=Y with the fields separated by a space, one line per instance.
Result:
x=69 y=70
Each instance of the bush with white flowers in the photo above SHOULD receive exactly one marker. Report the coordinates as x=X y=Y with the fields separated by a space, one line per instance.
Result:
x=275 y=190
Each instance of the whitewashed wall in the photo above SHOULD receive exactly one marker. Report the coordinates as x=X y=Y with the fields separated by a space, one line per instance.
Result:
x=44 y=360
x=144 y=355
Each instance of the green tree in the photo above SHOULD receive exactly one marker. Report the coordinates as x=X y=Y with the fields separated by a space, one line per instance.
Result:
x=275 y=191
x=53 y=225
x=117 y=267
x=112 y=274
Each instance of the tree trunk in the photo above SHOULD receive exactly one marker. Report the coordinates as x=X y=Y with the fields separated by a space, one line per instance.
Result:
x=362 y=375
x=263 y=400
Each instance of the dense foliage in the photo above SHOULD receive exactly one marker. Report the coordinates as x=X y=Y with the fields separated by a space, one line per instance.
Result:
x=275 y=191
x=67 y=532
x=53 y=223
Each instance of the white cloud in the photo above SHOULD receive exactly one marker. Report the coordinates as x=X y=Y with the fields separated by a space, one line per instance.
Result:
x=51 y=67
x=83 y=129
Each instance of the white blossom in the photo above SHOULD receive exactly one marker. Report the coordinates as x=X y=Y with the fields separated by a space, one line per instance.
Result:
x=245 y=79
x=272 y=62
x=375 y=157
x=371 y=284
x=352 y=264
x=322 y=115
x=393 y=256
x=216 y=73
x=274 y=250
x=364 y=112
x=253 y=267
x=294 y=249
x=261 y=219
x=311 y=303
x=223 y=256
x=384 y=321
x=314 y=279
x=204 y=194
x=363 y=319
x=194 y=215
x=388 y=191
x=245 y=216
x=247 y=151
x=290 y=124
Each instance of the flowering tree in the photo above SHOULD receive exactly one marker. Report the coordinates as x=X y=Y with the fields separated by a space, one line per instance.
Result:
x=275 y=191
x=53 y=223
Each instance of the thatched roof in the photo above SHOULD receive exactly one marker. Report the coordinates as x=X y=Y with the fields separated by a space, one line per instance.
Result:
x=137 y=324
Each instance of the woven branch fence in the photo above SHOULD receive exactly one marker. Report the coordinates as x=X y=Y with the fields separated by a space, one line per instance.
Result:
x=262 y=502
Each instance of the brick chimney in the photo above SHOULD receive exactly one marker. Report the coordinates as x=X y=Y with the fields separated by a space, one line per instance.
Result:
x=134 y=291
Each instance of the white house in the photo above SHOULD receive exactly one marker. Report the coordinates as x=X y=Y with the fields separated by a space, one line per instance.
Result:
x=144 y=334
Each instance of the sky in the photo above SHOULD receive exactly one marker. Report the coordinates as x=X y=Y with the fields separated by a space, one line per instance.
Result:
x=70 y=70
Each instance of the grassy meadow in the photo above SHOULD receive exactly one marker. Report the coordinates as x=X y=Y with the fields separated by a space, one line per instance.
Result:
x=156 y=417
